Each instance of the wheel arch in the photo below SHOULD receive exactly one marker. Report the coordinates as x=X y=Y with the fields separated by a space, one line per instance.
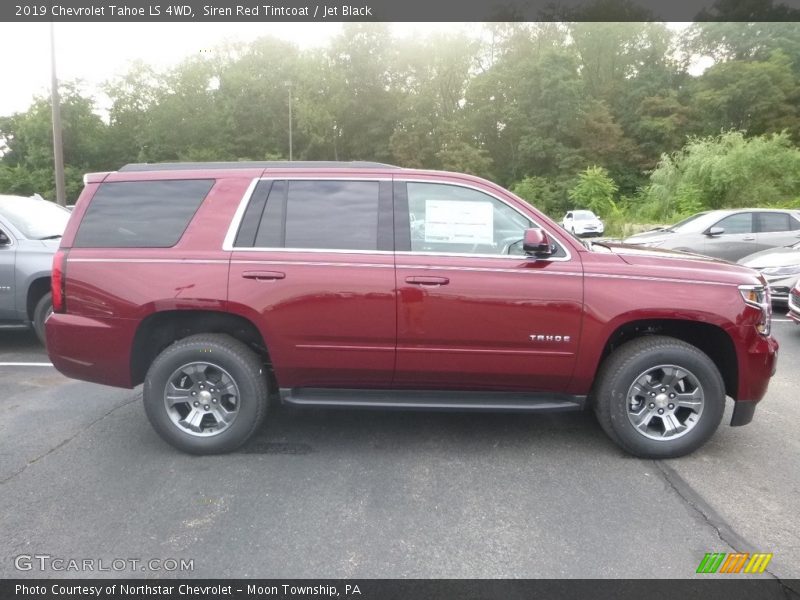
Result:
x=709 y=338
x=160 y=329
x=37 y=288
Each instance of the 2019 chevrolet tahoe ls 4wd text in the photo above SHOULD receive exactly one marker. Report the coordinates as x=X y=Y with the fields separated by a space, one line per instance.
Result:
x=222 y=285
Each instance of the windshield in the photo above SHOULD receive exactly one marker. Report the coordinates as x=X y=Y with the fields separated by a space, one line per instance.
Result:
x=35 y=219
x=583 y=215
x=682 y=225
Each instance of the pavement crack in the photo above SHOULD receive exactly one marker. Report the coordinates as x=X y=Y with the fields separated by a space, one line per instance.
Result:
x=714 y=520
x=69 y=439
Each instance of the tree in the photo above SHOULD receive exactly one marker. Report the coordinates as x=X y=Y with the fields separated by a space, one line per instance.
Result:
x=595 y=190
x=725 y=171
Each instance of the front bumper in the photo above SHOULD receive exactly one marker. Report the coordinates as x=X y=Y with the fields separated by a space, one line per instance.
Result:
x=756 y=366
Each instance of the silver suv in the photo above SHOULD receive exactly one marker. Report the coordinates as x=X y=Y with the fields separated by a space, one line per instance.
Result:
x=728 y=234
x=30 y=231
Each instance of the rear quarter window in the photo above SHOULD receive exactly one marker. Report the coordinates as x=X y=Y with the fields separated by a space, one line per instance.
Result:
x=141 y=214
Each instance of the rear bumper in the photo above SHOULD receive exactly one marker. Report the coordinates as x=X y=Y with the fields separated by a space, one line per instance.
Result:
x=91 y=349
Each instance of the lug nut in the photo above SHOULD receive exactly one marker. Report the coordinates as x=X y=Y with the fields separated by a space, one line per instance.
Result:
x=652 y=393
x=672 y=395
x=661 y=411
x=194 y=393
x=200 y=386
x=671 y=406
x=206 y=407
x=214 y=400
x=663 y=389
x=197 y=404
x=652 y=405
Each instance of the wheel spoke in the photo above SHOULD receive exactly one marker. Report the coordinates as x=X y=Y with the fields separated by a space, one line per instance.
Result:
x=672 y=375
x=671 y=425
x=692 y=400
x=192 y=420
x=643 y=418
x=222 y=415
x=176 y=395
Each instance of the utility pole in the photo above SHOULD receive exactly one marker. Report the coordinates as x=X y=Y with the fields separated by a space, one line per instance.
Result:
x=289 y=87
x=58 y=145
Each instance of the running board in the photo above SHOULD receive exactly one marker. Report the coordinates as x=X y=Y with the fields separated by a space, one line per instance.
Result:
x=433 y=400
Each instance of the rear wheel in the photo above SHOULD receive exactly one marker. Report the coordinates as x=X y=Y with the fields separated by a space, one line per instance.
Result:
x=206 y=394
x=44 y=309
x=659 y=397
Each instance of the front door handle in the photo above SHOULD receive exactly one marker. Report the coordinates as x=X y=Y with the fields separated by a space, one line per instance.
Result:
x=749 y=238
x=264 y=275
x=433 y=281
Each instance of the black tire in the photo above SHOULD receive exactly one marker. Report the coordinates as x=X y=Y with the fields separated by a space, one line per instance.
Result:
x=43 y=309
x=221 y=351
x=619 y=372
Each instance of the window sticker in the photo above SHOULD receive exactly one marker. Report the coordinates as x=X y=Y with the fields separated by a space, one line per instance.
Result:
x=459 y=222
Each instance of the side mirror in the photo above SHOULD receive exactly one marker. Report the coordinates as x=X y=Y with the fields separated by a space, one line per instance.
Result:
x=712 y=231
x=537 y=243
x=4 y=239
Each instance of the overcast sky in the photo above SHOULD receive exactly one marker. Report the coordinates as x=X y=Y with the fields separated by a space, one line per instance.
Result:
x=96 y=52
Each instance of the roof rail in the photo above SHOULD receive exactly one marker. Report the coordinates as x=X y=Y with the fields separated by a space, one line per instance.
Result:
x=269 y=164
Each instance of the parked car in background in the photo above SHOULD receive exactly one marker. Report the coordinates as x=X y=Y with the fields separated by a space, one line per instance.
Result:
x=583 y=222
x=728 y=234
x=794 y=303
x=30 y=231
x=779 y=266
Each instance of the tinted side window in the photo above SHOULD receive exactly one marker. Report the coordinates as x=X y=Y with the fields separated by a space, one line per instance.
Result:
x=325 y=215
x=769 y=222
x=738 y=223
x=141 y=214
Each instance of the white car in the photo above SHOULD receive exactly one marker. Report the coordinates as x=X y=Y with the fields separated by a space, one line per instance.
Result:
x=583 y=222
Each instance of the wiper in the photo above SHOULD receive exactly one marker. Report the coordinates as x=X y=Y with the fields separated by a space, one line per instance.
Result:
x=50 y=237
x=603 y=244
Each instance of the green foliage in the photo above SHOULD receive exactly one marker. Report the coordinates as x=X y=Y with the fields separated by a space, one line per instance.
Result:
x=595 y=190
x=729 y=170
x=528 y=105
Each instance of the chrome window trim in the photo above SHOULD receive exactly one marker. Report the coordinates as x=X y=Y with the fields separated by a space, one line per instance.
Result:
x=233 y=228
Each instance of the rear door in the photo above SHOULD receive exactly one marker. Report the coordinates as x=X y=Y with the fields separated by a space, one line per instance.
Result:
x=312 y=263
x=775 y=229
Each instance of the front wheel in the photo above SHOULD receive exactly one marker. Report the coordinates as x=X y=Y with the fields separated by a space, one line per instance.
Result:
x=659 y=397
x=206 y=394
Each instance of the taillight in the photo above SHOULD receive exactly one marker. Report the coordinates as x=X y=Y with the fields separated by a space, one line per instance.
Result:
x=58 y=281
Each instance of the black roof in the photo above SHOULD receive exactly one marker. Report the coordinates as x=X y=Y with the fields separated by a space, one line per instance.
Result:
x=264 y=164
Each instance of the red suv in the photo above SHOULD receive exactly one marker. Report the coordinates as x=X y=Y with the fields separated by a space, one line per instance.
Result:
x=222 y=285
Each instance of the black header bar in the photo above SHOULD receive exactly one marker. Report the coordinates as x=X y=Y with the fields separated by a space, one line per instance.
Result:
x=398 y=10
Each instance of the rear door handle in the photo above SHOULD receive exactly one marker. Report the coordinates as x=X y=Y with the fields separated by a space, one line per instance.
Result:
x=264 y=275
x=428 y=280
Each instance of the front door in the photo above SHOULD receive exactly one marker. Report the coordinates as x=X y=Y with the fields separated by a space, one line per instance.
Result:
x=473 y=311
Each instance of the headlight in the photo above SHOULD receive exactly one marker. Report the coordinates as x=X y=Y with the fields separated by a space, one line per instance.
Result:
x=758 y=297
x=787 y=270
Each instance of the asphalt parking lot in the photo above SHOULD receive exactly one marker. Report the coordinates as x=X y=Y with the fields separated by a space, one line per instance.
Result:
x=367 y=494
